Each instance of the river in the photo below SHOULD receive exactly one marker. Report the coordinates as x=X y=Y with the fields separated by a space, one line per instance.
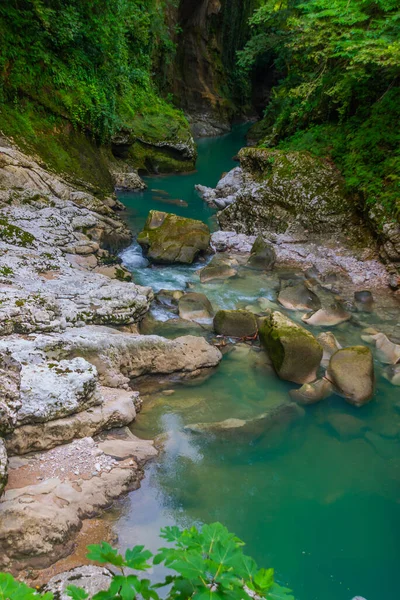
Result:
x=320 y=505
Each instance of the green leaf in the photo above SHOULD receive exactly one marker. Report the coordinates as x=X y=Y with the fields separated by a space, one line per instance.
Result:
x=136 y=558
x=104 y=553
x=171 y=534
x=76 y=593
x=190 y=565
x=278 y=592
x=264 y=580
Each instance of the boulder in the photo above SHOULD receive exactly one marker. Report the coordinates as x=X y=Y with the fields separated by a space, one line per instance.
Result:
x=387 y=351
x=329 y=344
x=310 y=393
x=346 y=426
x=351 y=371
x=235 y=323
x=3 y=466
x=195 y=307
x=89 y=578
x=327 y=317
x=392 y=374
x=299 y=297
x=169 y=298
x=220 y=267
x=364 y=300
x=262 y=255
x=294 y=351
x=168 y=238
x=10 y=382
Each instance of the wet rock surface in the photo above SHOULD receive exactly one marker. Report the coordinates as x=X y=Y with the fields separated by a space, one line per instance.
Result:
x=89 y=578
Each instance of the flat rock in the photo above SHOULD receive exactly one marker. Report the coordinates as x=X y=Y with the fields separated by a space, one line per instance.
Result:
x=327 y=317
x=136 y=448
x=89 y=578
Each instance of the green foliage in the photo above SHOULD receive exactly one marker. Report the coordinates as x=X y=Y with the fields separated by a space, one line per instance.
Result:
x=89 y=62
x=206 y=564
x=338 y=92
x=10 y=589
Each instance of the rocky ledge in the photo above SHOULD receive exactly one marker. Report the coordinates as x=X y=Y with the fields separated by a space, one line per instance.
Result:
x=69 y=356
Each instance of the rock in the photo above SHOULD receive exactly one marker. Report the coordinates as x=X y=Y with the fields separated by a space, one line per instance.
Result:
x=346 y=426
x=169 y=298
x=283 y=189
x=392 y=374
x=310 y=393
x=117 y=409
x=89 y=578
x=329 y=344
x=122 y=449
x=364 y=300
x=10 y=382
x=299 y=297
x=387 y=351
x=120 y=357
x=128 y=180
x=167 y=238
x=56 y=389
x=262 y=255
x=351 y=371
x=295 y=353
x=195 y=307
x=327 y=317
x=3 y=466
x=279 y=416
x=230 y=241
x=235 y=323
x=220 y=267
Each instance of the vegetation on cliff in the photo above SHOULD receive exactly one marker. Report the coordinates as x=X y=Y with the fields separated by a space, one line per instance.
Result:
x=338 y=94
x=83 y=66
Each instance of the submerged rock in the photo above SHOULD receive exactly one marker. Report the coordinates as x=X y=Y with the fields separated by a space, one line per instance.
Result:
x=235 y=323
x=262 y=255
x=276 y=417
x=310 y=393
x=89 y=578
x=299 y=297
x=392 y=374
x=351 y=371
x=220 y=267
x=328 y=317
x=294 y=351
x=167 y=238
x=195 y=307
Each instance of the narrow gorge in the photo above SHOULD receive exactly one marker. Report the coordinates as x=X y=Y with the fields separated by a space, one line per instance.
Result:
x=199 y=297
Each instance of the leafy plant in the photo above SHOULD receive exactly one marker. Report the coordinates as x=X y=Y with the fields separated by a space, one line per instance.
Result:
x=206 y=564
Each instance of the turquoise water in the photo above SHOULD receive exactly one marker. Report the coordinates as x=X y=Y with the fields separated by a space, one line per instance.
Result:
x=317 y=500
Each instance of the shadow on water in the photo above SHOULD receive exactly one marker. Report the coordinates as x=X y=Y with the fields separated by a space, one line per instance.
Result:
x=320 y=500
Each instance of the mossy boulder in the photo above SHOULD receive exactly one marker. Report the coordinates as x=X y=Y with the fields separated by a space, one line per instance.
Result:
x=351 y=371
x=168 y=238
x=235 y=323
x=294 y=351
x=286 y=189
x=195 y=307
x=262 y=255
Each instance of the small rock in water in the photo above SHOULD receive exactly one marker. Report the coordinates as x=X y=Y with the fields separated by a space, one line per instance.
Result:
x=328 y=317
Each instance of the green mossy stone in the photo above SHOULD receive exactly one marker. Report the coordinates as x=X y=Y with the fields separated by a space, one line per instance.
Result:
x=168 y=238
x=262 y=255
x=294 y=351
x=235 y=323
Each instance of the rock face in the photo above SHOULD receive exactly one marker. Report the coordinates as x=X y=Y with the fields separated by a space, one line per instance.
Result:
x=167 y=238
x=294 y=352
x=235 y=323
x=3 y=466
x=195 y=307
x=10 y=382
x=89 y=578
x=262 y=255
x=351 y=370
x=299 y=297
x=284 y=189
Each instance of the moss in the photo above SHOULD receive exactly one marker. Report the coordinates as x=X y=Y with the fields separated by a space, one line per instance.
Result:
x=122 y=275
x=12 y=234
x=149 y=159
x=6 y=272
